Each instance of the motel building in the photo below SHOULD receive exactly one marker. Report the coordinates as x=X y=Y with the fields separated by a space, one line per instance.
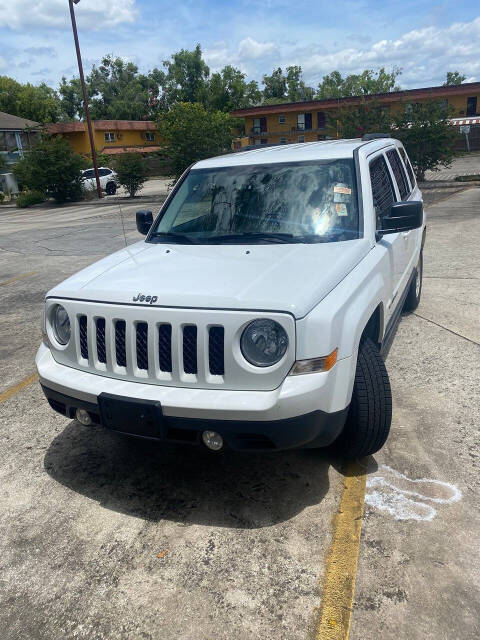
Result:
x=111 y=137
x=291 y=122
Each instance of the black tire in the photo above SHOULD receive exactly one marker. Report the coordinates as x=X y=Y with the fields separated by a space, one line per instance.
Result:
x=415 y=290
x=111 y=188
x=370 y=414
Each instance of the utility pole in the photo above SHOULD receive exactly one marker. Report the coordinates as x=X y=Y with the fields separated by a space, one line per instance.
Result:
x=85 y=100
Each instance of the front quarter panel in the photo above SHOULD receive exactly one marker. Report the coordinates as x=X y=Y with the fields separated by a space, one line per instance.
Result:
x=338 y=321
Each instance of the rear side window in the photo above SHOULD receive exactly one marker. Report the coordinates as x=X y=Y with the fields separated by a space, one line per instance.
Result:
x=406 y=160
x=104 y=172
x=399 y=173
x=382 y=188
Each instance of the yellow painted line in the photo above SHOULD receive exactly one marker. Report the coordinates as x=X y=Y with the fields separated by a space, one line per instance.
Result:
x=342 y=560
x=20 y=277
x=5 y=395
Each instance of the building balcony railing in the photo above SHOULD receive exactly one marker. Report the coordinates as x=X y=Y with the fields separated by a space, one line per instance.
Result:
x=295 y=130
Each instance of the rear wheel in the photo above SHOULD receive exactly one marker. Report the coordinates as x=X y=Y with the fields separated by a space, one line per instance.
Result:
x=415 y=291
x=370 y=415
x=111 y=188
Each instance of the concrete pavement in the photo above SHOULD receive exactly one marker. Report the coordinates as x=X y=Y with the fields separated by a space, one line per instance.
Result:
x=108 y=538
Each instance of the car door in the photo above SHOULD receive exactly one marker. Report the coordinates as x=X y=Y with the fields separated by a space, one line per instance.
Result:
x=404 y=193
x=415 y=236
x=384 y=195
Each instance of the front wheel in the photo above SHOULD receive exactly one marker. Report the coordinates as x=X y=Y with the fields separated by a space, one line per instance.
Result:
x=415 y=290
x=370 y=415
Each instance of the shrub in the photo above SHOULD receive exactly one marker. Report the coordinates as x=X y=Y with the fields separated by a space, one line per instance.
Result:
x=53 y=168
x=131 y=171
x=2 y=196
x=28 y=198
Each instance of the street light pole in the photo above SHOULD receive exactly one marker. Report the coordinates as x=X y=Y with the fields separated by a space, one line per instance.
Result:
x=85 y=100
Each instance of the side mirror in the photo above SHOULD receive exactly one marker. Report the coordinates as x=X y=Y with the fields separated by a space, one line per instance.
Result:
x=404 y=216
x=144 y=221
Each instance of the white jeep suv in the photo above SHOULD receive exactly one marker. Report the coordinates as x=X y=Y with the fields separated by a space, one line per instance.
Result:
x=255 y=313
x=108 y=180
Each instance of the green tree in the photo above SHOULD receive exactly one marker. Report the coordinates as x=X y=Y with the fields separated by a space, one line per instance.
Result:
x=368 y=82
x=131 y=172
x=275 y=85
x=367 y=117
x=296 y=88
x=454 y=77
x=427 y=134
x=228 y=90
x=192 y=133
x=185 y=79
x=116 y=91
x=53 y=168
x=34 y=102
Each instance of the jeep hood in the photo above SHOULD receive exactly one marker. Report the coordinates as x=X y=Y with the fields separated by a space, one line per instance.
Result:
x=274 y=277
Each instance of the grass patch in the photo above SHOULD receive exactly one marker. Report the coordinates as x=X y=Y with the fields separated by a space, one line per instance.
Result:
x=29 y=198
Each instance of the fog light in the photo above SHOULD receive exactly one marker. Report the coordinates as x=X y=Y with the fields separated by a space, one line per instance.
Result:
x=82 y=416
x=212 y=440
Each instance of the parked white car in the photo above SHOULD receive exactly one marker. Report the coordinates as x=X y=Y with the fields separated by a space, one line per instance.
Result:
x=108 y=180
x=256 y=312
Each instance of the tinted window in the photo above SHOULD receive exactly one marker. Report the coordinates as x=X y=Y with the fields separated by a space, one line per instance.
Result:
x=89 y=173
x=104 y=172
x=303 y=202
x=406 y=160
x=398 y=172
x=382 y=188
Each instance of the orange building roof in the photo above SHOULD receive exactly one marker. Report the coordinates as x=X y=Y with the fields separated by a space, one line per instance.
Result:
x=103 y=125
x=471 y=88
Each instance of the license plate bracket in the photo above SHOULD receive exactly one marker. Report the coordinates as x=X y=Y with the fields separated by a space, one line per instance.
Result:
x=137 y=417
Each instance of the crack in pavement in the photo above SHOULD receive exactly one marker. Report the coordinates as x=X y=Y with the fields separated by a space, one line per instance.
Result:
x=459 y=335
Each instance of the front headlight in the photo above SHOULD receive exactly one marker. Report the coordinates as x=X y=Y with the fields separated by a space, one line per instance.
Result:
x=264 y=342
x=61 y=324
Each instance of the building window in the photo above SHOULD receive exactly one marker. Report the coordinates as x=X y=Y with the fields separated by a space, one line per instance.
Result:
x=109 y=136
x=282 y=119
x=259 y=125
x=283 y=141
x=150 y=136
x=301 y=138
x=321 y=120
x=301 y=122
x=472 y=106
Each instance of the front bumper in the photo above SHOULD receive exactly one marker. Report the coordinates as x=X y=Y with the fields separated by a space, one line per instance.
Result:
x=304 y=411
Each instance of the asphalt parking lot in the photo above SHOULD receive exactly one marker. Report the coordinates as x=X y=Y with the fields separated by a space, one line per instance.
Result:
x=105 y=538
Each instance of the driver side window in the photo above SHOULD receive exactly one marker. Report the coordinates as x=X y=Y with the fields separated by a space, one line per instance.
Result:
x=382 y=188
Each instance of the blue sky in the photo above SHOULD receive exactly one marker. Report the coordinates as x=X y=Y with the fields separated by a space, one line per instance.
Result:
x=425 y=38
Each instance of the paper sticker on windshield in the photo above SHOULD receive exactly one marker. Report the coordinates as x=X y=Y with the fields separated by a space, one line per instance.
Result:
x=341 y=209
x=345 y=190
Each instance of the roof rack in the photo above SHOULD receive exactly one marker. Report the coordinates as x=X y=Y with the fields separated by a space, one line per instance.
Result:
x=375 y=136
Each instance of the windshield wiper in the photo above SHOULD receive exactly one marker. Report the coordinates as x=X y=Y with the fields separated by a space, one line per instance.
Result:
x=248 y=237
x=178 y=238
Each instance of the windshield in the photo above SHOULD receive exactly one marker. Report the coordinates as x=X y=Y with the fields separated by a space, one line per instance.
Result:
x=288 y=202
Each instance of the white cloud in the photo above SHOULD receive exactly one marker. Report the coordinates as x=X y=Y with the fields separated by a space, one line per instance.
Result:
x=424 y=54
x=251 y=49
x=42 y=14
